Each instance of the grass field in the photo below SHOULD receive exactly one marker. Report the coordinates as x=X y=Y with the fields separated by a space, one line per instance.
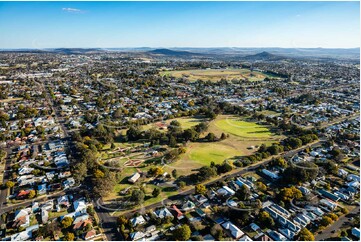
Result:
x=242 y=135
x=186 y=123
x=218 y=74
x=242 y=128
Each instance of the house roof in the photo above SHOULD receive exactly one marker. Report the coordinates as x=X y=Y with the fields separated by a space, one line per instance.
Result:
x=233 y=229
x=163 y=212
x=90 y=234
x=137 y=220
x=179 y=213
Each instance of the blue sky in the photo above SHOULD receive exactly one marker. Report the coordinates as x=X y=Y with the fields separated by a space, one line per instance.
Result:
x=179 y=24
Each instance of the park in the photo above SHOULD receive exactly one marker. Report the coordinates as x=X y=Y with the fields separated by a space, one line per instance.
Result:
x=244 y=136
x=215 y=75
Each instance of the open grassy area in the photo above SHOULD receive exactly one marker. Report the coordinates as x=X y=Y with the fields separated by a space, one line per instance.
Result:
x=186 y=123
x=218 y=74
x=242 y=136
x=238 y=127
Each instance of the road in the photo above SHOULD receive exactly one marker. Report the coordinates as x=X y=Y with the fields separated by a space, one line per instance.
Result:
x=327 y=233
x=107 y=223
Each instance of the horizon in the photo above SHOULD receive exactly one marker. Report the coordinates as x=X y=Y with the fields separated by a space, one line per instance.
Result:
x=179 y=47
x=49 y=25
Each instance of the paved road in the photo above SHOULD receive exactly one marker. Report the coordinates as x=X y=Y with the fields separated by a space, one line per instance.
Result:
x=107 y=223
x=327 y=233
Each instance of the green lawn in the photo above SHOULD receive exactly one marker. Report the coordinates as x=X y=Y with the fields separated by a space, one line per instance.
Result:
x=237 y=127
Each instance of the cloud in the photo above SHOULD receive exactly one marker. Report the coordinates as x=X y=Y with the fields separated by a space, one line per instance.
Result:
x=298 y=15
x=72 y=10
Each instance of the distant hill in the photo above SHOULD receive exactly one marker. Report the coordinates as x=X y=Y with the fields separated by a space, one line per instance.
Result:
x=77 y=50
x=264 y=56
x=168 y=52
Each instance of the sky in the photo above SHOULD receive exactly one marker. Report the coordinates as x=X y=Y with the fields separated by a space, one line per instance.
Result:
x=179 y=24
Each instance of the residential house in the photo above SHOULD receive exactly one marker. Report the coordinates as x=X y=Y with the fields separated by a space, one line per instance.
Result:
x=235 y=232
x=137 y=220
x=162 y=213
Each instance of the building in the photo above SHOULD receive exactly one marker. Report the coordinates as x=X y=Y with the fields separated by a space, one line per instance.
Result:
x=235 y=232
x=137 y=220
x=134 y=178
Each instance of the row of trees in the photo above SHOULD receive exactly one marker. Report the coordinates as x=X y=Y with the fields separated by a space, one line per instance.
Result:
x=86 y=154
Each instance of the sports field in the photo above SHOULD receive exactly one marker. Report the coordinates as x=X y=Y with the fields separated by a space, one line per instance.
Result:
x=218 y=74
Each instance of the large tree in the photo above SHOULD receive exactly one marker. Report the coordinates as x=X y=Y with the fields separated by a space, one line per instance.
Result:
x=137 y=196
x=200 y=189
x=182 y=233
x=305 y=235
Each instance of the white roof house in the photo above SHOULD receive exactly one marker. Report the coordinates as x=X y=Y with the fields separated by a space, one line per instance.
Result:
x=134 y=178
x=270 y=174
x=233 y=229
x=328 y=203
x=162 y=213
x=137 y=220
x=245 y=238
x=137 y=235
x=80 y=206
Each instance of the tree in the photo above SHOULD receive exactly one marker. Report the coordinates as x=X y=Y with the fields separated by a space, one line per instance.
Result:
x=90 y=210
x=217 y=232
x=98 y=174
x=190 y=134
x=303 y=172
x=80 y=171
x=122 y=220
x=305 y=235
x=280 y=161
x=287 y=194
x=261 y=186
x=133 y=133
x=200 y=189
x=333 y=216
x=223 y=136
x=69 y=236
x=211 y=137
x=265 y=219
x=205 y=173
x=156 y=192
x=172 y=141
x=182 y=184
x=243 y=193
x=137 y=196
x=66 y=222
x=9 y=184
x=102 y=186
x=325 y=221
x=174 y=173
x=182 y=233
x=155 y=171
x=31 y=194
